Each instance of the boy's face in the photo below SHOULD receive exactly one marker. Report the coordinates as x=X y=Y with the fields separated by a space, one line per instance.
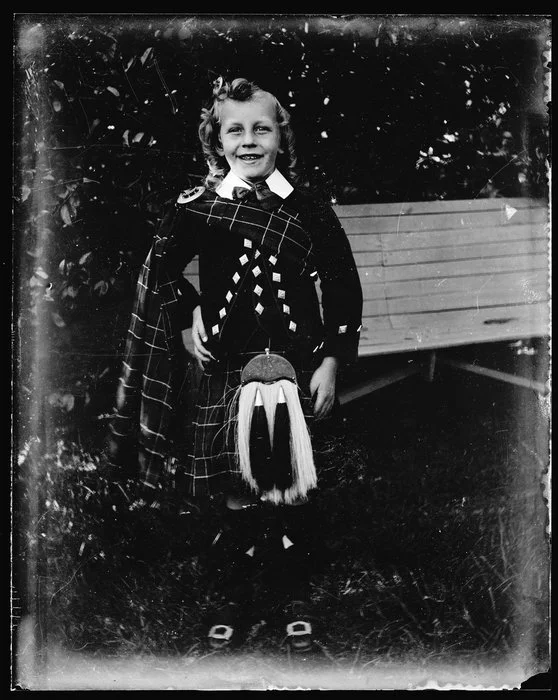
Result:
x=249 y=137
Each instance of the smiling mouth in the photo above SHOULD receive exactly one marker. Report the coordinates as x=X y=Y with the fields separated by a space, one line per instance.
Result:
x=250 y=158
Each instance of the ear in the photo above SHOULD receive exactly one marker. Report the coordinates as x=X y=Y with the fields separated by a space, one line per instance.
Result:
x=280 y=150
x=219 y=146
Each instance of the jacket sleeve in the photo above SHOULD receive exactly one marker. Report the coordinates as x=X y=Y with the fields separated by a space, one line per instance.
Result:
x=341 y=291
x=183 y=248
x=188 y=299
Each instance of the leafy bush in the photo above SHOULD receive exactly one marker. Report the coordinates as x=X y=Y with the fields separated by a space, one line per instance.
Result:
x=384 y=109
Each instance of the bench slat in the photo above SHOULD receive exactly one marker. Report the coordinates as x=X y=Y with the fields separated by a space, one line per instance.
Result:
x=450 y=269
x=439 y=239
x=448 y=220
x=535 y=279
x=453 y=328
x=399 y=341
x=456 y=319
x=435 y=206
x=465 y=252
x=455 y=300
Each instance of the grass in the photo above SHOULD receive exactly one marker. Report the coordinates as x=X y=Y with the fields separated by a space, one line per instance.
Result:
x=433 y=524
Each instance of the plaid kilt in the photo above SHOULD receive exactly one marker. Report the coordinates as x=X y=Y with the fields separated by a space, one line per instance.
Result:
x=204 y=453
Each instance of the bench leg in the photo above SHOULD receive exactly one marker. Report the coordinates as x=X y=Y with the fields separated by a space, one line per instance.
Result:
x=430 y=367
x=356 y=392
x=540 y=387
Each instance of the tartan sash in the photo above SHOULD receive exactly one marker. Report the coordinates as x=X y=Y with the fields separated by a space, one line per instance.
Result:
x=275 y=232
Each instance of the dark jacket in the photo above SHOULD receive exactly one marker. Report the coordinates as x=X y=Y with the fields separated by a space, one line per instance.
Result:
x=257 y=288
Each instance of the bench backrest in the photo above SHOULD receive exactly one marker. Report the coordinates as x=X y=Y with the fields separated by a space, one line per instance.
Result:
x=444 y=273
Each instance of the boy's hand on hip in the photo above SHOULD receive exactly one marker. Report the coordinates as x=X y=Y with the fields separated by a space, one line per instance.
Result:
x=322 y=386
x=199 y=336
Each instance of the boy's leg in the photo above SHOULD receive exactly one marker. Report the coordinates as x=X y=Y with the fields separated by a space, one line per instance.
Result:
x=233 y=569
x=294 y=556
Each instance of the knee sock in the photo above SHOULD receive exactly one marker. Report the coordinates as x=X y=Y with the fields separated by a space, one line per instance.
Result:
x=295 y=553
x=232 y=561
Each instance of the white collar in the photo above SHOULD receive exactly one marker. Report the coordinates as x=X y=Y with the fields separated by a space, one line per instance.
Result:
x=276 y=182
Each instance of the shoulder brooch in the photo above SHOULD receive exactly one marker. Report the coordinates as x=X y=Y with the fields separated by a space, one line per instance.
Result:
x=188 y=195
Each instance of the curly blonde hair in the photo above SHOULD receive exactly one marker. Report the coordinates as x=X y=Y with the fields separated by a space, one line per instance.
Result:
x=241 y=90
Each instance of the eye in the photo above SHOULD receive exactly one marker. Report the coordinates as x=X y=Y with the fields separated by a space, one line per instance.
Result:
x=233 y=130
x=263 y=128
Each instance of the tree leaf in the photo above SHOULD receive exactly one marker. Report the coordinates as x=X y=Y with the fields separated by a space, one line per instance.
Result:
x=25 y=192
x=113 y=90
x=65 y=214
x=145 y=55
x=58 y=320
x=101 y=287
x=70 y=291
x=138 y=137
x=67 y=402
x=35 y=253
x=84 y=258
x=59 y=83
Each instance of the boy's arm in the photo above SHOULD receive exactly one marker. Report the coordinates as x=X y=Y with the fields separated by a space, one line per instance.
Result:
x=340 y=286
x=181 y=251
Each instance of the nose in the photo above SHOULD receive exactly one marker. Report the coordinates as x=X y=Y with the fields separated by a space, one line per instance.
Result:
x=249 y=138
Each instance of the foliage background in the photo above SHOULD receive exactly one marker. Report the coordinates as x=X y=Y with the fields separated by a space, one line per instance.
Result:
x=385 y=108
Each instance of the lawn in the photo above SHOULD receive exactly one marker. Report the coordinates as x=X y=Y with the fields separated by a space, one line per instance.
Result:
x=432 y=517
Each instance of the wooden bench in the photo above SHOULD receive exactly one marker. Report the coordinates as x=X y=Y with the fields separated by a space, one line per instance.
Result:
x=448 y=273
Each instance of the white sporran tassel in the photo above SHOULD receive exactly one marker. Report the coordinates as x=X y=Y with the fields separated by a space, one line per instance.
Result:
x=257 y=394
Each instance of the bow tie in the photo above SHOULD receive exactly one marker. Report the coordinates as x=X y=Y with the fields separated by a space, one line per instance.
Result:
x=260 y=192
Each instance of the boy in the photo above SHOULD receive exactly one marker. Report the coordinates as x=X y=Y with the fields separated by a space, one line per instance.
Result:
x=262 y=243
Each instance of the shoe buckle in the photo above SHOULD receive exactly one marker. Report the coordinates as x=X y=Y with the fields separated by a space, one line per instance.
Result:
x=220 y=632
x=299 y=628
